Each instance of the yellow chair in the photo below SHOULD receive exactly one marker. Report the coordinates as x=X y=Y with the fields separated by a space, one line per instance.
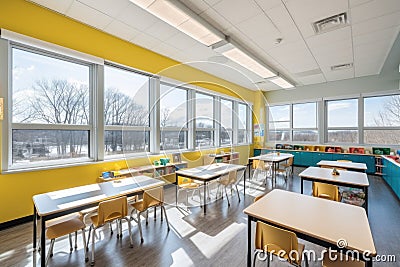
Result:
x=65 y=225
x=187 y=184
x=279 y=242
x=340 y=261
x=230 y=180
x=326 y=191
x=286 y=168
x=151 y=198
x=108 y=211
x=257 y=198
x=261 y=166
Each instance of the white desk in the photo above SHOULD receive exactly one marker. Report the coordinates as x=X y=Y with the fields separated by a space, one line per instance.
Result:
x=274 y=158
x=208 y=173
x=346 y=165
x=317 y=220
x=53 y=204
x=345 y=178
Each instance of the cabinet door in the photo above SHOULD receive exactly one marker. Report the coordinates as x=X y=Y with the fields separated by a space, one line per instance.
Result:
x=297 y=158
x=257 y=152
x=386 y=170
x=370 y=161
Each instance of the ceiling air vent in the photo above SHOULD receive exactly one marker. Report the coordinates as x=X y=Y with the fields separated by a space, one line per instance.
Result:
x=331 y=23
x=342 y=66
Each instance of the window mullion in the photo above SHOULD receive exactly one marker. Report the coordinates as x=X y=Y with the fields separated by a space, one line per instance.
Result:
x=155 y=115
x=98 y=131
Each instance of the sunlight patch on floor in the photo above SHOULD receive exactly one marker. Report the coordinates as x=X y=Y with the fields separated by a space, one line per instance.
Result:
x=178 y=224
x=181 y=258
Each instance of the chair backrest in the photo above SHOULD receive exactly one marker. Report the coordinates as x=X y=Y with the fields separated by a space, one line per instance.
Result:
x=110 y=210
x=207 y=160
x=258 y=164
x=290 y=161
x=233 y=177
x=240 y=174
x=275 y=240
x=184 y=180
x=153 y=197
x=326 y=191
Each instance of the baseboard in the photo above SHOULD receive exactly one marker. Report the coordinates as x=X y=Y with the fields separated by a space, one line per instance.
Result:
x=16 y=222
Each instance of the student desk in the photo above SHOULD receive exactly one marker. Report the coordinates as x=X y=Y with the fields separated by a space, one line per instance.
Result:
x=356 y=166
x=53 y=204
x=320 y=221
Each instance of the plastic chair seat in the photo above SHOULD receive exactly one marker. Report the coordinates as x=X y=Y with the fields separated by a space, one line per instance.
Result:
x=189 y=185
x=64 y=225
x=139 y=205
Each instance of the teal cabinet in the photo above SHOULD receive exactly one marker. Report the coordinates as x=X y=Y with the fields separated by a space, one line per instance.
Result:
x=391 y=174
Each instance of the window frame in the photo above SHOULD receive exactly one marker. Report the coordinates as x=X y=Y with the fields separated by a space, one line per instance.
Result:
x=213 y=130
x=229 y=130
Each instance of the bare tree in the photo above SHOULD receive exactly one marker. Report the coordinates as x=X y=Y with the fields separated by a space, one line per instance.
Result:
x=164 y=117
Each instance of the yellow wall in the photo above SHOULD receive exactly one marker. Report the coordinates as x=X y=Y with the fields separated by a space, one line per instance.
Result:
x=17 y=189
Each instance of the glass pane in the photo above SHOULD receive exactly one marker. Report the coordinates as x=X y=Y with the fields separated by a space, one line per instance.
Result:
x=305 y=136
x=279 y=125
x=382 y=111
x=173 y=106
x=305 y=115
x=279 y=113
x=125 y=142
x=279 y=135
x=242 y=116
x=126 y=97
x=204 y=111
x=342 y=136
x=225 y=137
x=226 y=113
x=243 y=136
x=173 y=140
x=48 y=90
x=43 y=145
x=387 y=137
x=343 y=113
x=204 y=139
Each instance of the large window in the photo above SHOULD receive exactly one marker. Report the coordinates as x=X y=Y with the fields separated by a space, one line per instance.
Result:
x=51 y=110
x=126 y=111
x=243 y=134
x=173 y=117
x=305 y=122
x=226 y=130
x=279 y=123
x=204 y=120
x=382 y=120
x=342 y=121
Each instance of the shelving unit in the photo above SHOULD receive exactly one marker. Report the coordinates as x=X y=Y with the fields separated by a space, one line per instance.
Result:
x=164 y=172
x=379 y=166
x=225 y=158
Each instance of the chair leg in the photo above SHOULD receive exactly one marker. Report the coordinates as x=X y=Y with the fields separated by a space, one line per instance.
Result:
x=165 y=213
x=227 y=198
x=147 y=217
x=162 y=215
x=255 y=257
x=92 y=260
x=76 y=240
x=50 y=254
x=268 y=258
x=237 y=190
x=306 y=259
x=84 y=244
x=88 y=240
x=155 y=213
x=70 y=243
x=130 y=232
x=140 y=227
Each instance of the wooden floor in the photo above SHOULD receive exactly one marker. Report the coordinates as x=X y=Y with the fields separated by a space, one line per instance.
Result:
x=217 y=239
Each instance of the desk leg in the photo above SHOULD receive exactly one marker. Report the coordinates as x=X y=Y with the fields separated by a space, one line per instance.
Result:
x=369 y=263
x=205 y=196
x=176 y=190
x=249 y=219
x=43 y=242
x=301 y=185
x=34 y=228
x=366 y=199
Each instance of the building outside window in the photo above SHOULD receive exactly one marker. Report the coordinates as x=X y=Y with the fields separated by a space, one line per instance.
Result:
x=305 y=122
x=205 y=126
x=226 y=123
x=342 y=121
x=279 y=123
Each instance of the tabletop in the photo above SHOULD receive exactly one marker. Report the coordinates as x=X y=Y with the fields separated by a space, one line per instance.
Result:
x=345 y=177
x=273 y=157
x=326 y=220
x=61 y=200
x=209 y=171
x=342 y=164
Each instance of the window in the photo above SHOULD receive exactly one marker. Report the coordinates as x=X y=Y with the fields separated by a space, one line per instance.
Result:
x=126 y=111
x=243 y=131
x=51 y=108
x=226 y=130
x=204 y=120
x=342 y=121
x=382 y=120
x=279 y=123
x=305 y=122
x=173 y=117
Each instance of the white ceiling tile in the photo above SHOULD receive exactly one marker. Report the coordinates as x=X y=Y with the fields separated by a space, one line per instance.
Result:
x=338 y=74
x=88 y=15
x=212 y=2
x=145 y=40
x=138 y=18
x=366 y=66
x=262 y=24
x=307 y=12
x=312 y=79
x=121 y=30
x=215 y=19
x=111 y=8
x=238 y=10
x=354 y=3
x=369 y=38
x=181 y=41
x=374 y=9
x=376 y=24
x=162 y=31
x=197 y=6
x=60 y=6
x=165 y=49
x=267 y=5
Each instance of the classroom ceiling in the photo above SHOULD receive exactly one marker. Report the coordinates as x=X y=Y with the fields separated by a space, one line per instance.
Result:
x=305 y=57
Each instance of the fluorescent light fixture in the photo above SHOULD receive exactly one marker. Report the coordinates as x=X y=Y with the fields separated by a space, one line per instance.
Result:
x=281 y=82
x=182 y=18
x=236 y=53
